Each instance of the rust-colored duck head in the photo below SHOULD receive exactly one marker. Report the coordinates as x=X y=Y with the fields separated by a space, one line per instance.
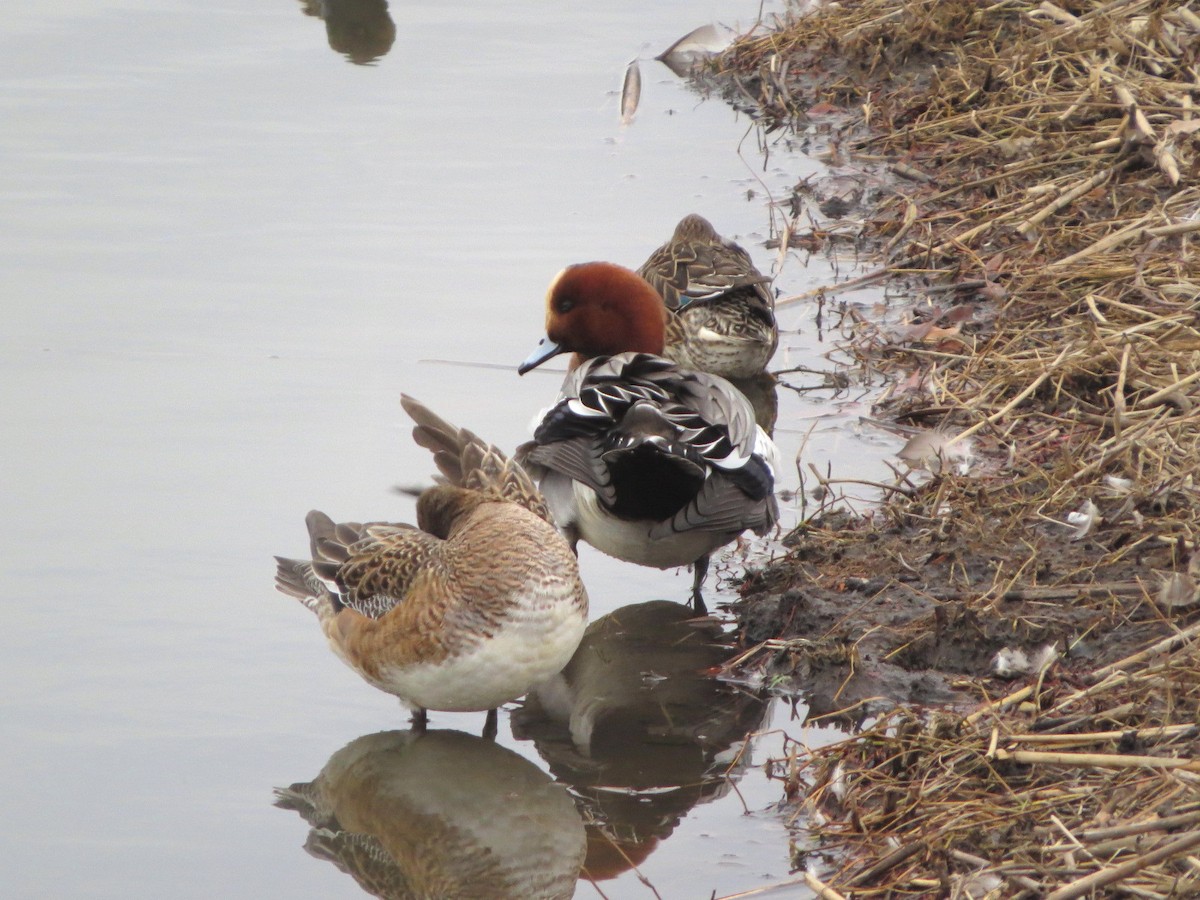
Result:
x=599 y=309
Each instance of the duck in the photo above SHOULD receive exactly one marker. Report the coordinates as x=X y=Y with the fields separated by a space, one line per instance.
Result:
x=465 y=611
x=641 y=458
x=722 y=308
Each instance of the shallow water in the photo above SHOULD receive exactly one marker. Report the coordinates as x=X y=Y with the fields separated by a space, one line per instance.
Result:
x=225 y=251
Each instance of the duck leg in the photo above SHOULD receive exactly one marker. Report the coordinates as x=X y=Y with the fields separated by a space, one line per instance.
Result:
x=419 y=720
x=699 y=570
x=490 y=726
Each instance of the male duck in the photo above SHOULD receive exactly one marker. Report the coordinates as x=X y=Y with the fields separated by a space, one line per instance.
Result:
x=464 y=612
x=724 y=312
x=642 y=459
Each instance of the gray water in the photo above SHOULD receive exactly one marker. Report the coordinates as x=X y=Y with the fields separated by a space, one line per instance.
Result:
x=225 y=249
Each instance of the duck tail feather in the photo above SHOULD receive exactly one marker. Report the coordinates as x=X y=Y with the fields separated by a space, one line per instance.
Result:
x=467 y=461
x=297 y=578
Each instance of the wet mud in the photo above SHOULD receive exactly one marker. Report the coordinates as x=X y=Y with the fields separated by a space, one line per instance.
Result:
x=883 y=617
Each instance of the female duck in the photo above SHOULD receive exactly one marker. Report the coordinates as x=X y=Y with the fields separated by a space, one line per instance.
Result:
x=723 y=318
x=464 y=612
x=644 y=460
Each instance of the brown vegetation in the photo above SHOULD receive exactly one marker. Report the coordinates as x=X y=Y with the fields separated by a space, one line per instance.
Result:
x=1044 y=213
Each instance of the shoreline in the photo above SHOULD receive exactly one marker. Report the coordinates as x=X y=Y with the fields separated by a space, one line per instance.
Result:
x=1032 y=580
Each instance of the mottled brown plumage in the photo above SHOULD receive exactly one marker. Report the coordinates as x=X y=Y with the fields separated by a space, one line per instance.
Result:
x=722 y=309
x=465 y=611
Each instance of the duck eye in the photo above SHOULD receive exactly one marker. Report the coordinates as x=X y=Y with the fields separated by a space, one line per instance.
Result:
x=565 y=305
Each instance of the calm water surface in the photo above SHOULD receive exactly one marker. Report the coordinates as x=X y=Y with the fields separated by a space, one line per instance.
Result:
x=224 y=251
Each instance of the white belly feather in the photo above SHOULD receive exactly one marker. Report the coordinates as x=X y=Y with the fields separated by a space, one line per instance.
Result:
x=534 y=641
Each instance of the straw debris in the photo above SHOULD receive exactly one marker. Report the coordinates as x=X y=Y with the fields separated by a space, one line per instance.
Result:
x=1034 y=794
x=1033 y=175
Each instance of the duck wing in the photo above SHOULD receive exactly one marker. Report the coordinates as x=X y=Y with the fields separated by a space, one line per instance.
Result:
x=698 y=265
x=373 y=565
x=467 y=461
x=648 y=437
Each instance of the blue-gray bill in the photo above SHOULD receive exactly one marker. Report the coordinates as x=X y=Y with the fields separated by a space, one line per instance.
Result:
x=545 y=349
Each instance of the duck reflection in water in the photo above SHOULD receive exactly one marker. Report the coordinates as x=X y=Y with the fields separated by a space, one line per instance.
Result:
x=361 y=30
x=441 y=814
x=639 y=729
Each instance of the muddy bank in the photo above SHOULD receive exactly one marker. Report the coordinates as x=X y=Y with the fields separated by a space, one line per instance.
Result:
x=861 y=617
x=1027 y=176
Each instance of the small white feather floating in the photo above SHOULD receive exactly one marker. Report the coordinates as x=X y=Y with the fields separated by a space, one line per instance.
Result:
x=694 y=48
x=631 y=92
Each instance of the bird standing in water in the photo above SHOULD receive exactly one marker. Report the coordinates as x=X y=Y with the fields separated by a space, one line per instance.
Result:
x=641 y=458
x=467 y=610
